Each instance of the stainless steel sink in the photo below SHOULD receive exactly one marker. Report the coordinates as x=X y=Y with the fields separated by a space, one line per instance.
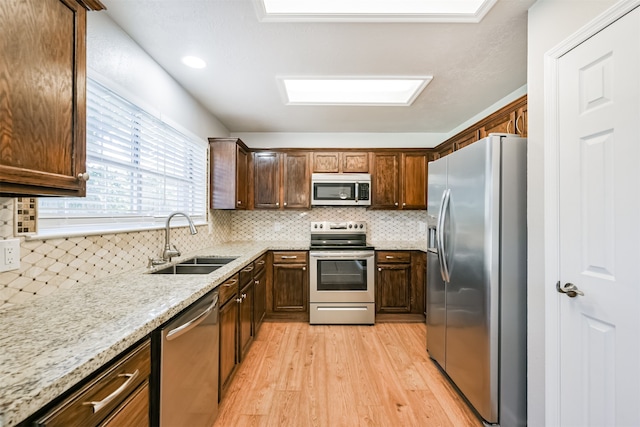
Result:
x=196 y=265
x=208 y=260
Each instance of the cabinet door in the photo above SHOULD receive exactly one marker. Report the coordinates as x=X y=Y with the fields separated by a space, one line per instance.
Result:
x=355 y=162
x=297 y=181
x=502 y=123
x=228 y=317
x=290 y=288
x=393 y=288
x=245 y=320
x=385 y=181
x=134 y=412
x=42 y=97
x=444 y=150
x=259 y=300
x=466 y=139
x=522 y=121
x=326 y=162
x=242 y=170
x=414 y=181
x=267 y=180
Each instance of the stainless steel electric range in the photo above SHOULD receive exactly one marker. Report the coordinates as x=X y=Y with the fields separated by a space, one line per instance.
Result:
x=341 y=268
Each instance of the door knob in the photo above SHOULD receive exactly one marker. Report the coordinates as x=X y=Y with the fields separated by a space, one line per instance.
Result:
x=570 y=289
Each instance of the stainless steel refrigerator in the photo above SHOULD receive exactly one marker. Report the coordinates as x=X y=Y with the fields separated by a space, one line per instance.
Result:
x=476 y=274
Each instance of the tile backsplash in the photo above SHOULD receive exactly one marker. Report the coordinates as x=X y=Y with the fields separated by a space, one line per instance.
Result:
x=52 y=264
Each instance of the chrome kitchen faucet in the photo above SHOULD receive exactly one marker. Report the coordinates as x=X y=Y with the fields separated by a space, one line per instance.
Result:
x=168 y=252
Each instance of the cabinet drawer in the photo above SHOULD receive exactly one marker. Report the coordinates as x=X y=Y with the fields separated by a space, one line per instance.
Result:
x=259 y=264
x=96 y=400
x=228 y=290
x=388 y=257
x=246 y=275
x=296 y=257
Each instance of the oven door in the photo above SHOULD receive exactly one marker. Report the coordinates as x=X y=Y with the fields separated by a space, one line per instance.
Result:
x=341 y=276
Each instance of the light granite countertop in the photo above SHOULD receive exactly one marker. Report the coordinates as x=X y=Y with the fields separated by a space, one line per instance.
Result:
x=51 y=344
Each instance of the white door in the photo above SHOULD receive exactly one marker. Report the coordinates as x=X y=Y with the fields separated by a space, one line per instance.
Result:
x=599 y=229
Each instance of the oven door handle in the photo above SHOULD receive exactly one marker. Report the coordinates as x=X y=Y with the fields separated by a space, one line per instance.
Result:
x=341 y=255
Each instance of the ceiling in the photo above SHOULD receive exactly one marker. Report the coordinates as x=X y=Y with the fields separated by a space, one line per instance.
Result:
x=473 y=65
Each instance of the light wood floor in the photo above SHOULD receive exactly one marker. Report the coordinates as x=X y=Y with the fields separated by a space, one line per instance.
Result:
x=301 y=375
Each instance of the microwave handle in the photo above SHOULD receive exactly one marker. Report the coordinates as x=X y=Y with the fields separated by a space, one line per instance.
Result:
x=357 y=192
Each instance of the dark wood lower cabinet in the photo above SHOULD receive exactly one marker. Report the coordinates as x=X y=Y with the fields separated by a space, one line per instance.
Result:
x=289 y=287
x=260 y=300
x=393 y=288
x=245 y=320
x=228 y=317
x=134 y=412
x=400 y=284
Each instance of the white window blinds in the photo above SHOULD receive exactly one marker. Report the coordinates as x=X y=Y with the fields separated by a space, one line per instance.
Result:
x=141 y=169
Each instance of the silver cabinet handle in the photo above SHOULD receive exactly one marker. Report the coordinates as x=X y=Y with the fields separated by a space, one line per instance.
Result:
x=238 y=300
x=248 y=269
x=83 y=176
x=277 y=204
x=509 y=125
x=256 y=282
x=285 y=203
x=396 y=203
x=261 y=262
x=518 y=131
x=404 y=204
x=96 y=406
x=389 y=257
x=304 y=268
x=239 y=202
x=289 y=257
x=379 y=269
x=569 y=289
x=182 y=329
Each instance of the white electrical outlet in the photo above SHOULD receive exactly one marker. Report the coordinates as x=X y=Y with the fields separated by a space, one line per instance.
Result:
x=422 y=226
x=277 y=226
x=9 y=254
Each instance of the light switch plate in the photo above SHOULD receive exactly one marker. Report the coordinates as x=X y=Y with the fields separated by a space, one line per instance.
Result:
x=9 y=254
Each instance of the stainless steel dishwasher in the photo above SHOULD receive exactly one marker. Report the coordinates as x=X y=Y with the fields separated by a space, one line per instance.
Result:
x=189 y=366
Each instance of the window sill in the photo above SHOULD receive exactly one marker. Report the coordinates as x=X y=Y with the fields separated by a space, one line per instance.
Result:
x=97 y=230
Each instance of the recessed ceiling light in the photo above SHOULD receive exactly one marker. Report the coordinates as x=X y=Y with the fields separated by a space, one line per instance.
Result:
x=193 y=62
x=375 y=10
x=353 y=91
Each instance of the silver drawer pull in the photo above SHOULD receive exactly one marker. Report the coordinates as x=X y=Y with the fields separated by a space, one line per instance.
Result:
x=261 y=262
x=248 y=269
x=231 y=282
x=104 y=402
x=289 y=257
x=389 y=257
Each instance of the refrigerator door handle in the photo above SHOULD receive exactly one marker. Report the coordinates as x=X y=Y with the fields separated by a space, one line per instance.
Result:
x=442 y=256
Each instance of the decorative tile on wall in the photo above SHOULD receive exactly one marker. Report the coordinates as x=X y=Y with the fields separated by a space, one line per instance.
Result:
x=26 y=213
x=294 y=225
x=52 y=264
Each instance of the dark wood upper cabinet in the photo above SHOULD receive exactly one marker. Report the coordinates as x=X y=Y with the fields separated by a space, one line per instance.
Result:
x=43 y=97
x=512 y=118
x=229 y=172
x=385 y=181
x=266 y=187
x=399 y=180
x=340 y=162
x=296 y=186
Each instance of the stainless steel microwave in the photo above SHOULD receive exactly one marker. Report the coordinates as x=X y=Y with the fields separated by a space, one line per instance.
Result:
x=341 y=189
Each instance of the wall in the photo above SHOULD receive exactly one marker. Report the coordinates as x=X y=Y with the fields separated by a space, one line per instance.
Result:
x=549 y=23
x=294 y=225
x=49 y=265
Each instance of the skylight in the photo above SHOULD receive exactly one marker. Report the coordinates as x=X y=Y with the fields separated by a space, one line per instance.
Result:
x=353 y=91
x=375 y=10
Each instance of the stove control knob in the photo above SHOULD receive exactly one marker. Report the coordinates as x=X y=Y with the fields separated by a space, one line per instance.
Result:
x=315 y=225
x=361 y=225
x=350 y=225
x=321 y=225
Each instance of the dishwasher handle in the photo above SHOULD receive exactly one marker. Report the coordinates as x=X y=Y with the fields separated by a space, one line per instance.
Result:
x=186 y=327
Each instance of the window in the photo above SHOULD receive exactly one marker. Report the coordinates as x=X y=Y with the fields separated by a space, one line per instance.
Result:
x=141 y=170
